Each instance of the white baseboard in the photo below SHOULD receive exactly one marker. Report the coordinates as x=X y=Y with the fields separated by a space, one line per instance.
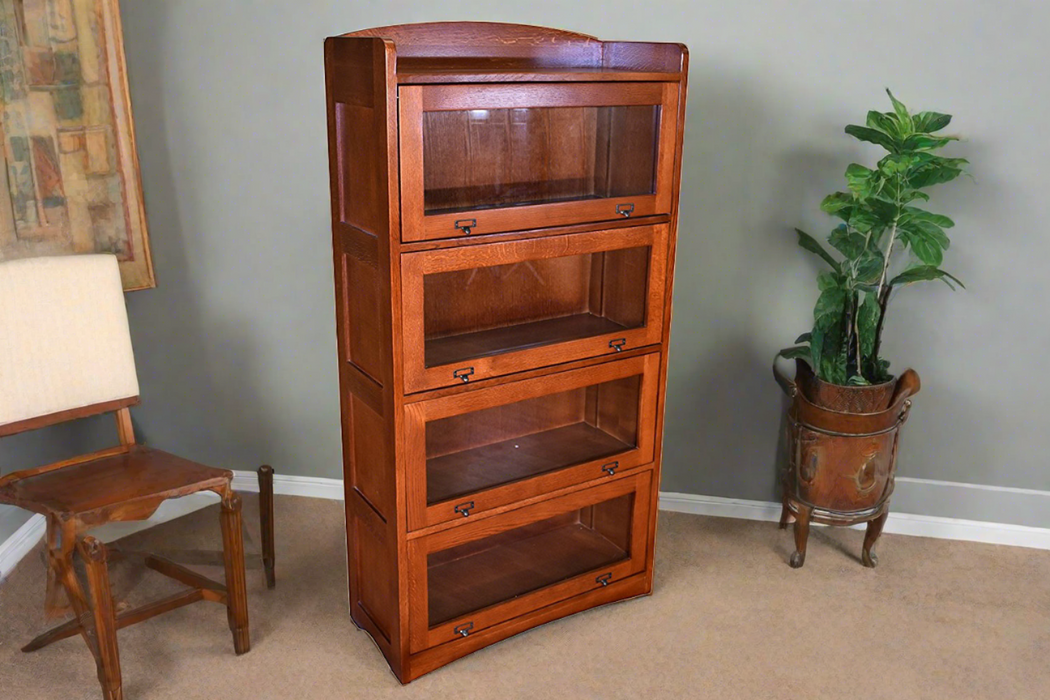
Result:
x=1033 y=503
x=956 y=499
x=285 y=485
x=20 y=543
x=897 y=523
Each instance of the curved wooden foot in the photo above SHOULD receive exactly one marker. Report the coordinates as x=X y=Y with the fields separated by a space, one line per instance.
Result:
x=798 y=558
x=871 y=536
x=266 y=522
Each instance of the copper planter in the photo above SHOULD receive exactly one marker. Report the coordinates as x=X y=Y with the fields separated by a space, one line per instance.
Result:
x=842 y=453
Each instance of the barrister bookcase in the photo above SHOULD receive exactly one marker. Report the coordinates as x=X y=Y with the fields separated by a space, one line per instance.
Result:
x=504 y=211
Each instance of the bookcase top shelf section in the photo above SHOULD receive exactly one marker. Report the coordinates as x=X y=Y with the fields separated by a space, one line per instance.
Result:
x=416 y=74
x=484 y=52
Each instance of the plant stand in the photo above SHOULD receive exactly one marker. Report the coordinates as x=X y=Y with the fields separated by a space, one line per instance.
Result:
x=842 y=463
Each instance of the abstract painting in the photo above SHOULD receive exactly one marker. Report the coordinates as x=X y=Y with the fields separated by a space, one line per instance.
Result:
x=70 y=182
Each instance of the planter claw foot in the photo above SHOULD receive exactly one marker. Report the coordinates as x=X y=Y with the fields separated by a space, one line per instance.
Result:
x=869 y=559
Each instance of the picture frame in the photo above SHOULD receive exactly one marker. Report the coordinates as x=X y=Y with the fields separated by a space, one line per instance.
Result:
x=71 y=182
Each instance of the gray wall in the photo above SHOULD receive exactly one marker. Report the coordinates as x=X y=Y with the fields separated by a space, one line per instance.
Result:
x=236 y=346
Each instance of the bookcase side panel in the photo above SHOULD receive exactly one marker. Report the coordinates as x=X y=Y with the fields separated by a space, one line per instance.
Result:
x=363 y=217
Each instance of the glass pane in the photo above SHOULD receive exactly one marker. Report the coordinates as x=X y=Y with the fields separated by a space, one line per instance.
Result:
x=483 y=158
x=485 y=311
x=495 y=569
x=495 y=446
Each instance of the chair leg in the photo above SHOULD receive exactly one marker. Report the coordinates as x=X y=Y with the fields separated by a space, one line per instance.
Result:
x=102 y=618
x=233 y=556
x=55 y=634
x=798 y=558
x=266 y=522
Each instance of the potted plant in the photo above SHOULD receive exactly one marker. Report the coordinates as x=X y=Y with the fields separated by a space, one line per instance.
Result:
x=847 y=408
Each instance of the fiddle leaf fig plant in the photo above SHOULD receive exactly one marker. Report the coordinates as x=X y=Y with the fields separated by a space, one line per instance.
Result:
x=885 y=241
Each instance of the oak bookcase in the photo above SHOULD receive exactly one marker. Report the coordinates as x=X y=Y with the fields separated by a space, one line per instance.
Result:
x=504 y=208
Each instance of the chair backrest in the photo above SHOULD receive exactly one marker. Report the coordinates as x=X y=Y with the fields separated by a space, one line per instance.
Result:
x=65 y=347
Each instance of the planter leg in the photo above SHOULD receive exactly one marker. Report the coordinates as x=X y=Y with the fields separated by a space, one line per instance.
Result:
x=867 y=557
x=785 y=515
x=801 y=536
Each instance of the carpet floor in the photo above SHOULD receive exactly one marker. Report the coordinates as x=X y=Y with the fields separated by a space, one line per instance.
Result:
x=728 y=619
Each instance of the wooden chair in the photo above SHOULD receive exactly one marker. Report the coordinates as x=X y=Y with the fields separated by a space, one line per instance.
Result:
x=66 y=354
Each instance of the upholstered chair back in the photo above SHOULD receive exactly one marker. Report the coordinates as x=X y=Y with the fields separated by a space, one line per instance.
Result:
x=64 y=339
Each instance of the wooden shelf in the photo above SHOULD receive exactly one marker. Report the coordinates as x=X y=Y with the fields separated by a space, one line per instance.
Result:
x=514 y=568
x=465 y=346
x=460 y=473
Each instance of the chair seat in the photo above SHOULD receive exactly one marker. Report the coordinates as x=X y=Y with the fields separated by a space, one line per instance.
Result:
x=140 y=475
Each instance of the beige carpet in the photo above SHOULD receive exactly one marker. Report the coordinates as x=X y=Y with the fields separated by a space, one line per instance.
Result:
x=728 y=619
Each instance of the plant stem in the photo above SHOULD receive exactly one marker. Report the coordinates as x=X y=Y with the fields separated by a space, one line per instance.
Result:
x=884 y=300
x=893 y=239
x=856 y=333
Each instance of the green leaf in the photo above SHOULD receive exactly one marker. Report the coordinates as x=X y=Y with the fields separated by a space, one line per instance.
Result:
x=912 y=195
x=882 y=370
x=886 y=123
x=867 y=323
x=804 y=338
x=923 y=142
x=927 y=229
x=928 y=122
x=838 y=203
x=849 y=243
x=830 y=308
x=916 y=214
x=816 y=350
x=810 y=243
x=796 y=352
x=858 y=380
x=923 y=273
x=875 y=136
x=830 y=280
x=896 y=163
x=933 y=170
x=885 y=211
x=862 y=182
x=864 y=220
x=926 y=247
x=829 y=368
x=869 y=267
x=901 y=110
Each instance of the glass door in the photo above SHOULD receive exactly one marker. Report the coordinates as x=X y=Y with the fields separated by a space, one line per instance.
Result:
x=473 y=312
x=490 y=158
x=471 y=452
x=463 y=580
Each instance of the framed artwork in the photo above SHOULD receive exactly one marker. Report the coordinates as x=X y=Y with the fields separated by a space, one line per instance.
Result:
x=70 y=182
